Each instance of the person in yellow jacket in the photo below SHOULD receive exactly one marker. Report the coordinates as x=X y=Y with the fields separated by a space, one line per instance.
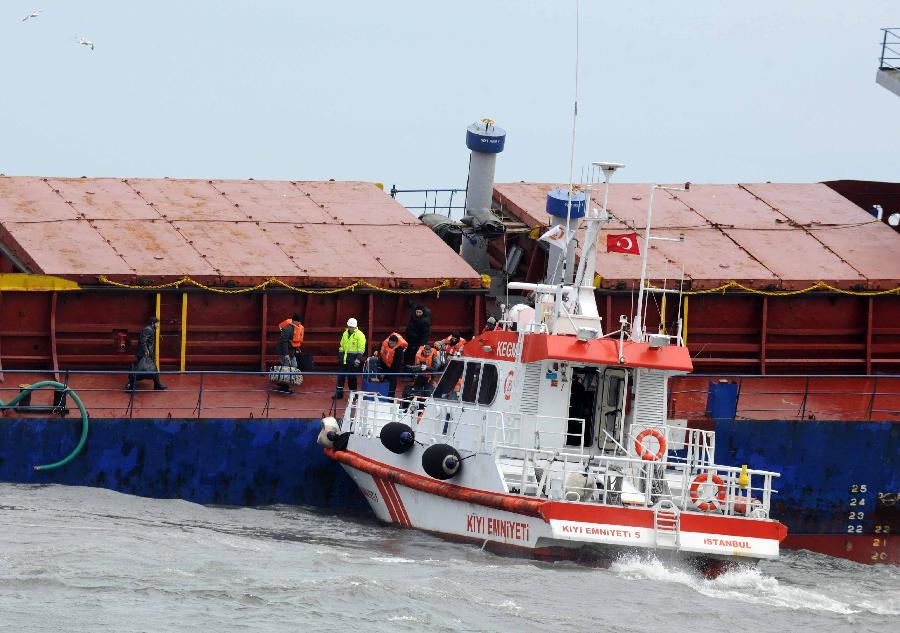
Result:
x=350 y=356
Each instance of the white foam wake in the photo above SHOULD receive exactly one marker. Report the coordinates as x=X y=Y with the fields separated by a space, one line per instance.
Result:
x=746 y=584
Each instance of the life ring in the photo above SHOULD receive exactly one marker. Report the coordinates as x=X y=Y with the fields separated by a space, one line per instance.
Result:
x=707 y=504
x=644 y=453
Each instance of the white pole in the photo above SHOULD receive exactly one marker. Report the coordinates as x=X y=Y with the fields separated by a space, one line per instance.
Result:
x=637 y=329
x=572 y=152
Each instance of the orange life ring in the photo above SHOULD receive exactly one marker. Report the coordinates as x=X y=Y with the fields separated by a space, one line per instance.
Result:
x=707 y=505
x=644 y=453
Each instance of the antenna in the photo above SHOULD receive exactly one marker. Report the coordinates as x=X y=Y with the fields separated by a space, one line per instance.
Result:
x=574 y=130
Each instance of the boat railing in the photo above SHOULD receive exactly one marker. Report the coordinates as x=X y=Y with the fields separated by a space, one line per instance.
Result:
x=620 y=480
x=467 y=427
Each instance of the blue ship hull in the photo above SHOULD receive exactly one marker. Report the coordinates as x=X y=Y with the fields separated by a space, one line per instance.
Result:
x=214 y=461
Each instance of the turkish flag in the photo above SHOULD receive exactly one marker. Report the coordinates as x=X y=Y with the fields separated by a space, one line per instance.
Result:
x=626 y=243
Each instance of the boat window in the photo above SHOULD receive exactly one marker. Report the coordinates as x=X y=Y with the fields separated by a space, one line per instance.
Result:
x=446 y=388
x=488 y=388
x=470 y=382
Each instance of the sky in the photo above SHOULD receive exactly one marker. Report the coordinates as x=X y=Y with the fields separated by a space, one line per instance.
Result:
x=706 y=91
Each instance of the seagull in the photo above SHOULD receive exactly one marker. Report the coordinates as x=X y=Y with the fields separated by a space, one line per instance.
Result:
x=86 y=42
x=33 y=14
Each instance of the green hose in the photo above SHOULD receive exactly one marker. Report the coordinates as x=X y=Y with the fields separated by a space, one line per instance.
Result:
x=84 y=417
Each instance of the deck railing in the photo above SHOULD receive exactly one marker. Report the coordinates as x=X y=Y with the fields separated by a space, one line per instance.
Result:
x=798 y=397
x=432 y=201
x=890 y=49
x=189 y=394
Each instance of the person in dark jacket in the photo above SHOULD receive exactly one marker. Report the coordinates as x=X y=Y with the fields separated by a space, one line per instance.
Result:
x=418 y=330
x=145 y=364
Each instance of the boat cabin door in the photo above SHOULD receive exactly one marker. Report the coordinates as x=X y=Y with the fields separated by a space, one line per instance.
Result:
x=582 y=405
x=611 y=413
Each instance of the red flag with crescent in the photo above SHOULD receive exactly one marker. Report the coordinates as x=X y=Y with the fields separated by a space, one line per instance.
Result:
x=624 y=243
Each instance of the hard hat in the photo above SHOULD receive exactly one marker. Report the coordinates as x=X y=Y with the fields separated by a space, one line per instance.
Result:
x=351 y=322
x=491 y=320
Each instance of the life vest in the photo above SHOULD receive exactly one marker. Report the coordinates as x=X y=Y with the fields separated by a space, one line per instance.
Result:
x=387 y=353
x=452 y=349
x=429 y=360
x=297 y=339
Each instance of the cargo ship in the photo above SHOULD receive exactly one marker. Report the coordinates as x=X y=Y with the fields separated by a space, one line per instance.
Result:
x=797 y=354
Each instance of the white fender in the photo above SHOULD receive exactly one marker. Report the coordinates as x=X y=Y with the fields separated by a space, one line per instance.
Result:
x=329 y=425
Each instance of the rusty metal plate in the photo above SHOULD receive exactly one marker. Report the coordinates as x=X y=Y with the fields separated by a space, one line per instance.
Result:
x=357 y=203
x=797 y=258
x=187 y=200
x=237 y=250
x=68 y=247
x=324 y=252
x=412 y=252
x=103 y=199
x=272 y=201
x=154 y=248
x=869 y=246
x=343 y=254
x=770 y=236
x=29 y=199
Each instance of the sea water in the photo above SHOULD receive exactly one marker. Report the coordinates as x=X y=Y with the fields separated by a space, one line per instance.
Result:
x=85 y=559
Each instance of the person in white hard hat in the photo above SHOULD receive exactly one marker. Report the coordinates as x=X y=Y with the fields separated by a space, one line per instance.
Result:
x=350 y=356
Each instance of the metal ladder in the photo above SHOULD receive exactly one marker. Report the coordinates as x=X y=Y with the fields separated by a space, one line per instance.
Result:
x=666 y=520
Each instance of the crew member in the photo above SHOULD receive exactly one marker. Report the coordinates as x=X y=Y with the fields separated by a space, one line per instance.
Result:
x=490 y=326
x=144 y=367
x=453 y=344
x=350 y=356
x=290 y=339
x=427 y=358
x=390 y=357
x=418 y=330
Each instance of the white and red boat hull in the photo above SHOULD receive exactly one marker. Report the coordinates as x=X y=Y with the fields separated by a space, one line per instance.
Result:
x=543 y=526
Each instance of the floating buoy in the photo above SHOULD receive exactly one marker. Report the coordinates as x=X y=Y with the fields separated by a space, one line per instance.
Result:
x=397 y=437
x=441 y=461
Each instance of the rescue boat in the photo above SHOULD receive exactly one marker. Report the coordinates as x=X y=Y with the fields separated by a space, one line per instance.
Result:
x=549 y=435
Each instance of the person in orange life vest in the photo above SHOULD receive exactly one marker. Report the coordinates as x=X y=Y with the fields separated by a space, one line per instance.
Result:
x=390 y=358
x=427 y=357
x=452 y=345
x=290 y=339
x=490 y=326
